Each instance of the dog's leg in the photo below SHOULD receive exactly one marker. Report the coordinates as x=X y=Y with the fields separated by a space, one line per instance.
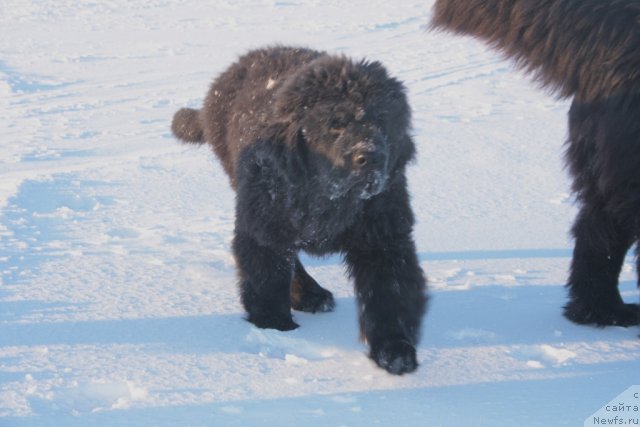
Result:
x=390 y=293
x=638 y=264
x=601 y=244
x=307 y=295
x=389 y=283
x=265 y=282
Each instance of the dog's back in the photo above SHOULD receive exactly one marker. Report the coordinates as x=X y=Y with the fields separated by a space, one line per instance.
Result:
x=239 y=101
x=586 y=48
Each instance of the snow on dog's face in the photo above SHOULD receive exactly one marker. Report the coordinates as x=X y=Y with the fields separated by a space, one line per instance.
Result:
x=354 y=147
x=351 y=114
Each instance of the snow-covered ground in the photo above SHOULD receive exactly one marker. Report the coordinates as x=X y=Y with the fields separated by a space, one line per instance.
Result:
x=118 y=303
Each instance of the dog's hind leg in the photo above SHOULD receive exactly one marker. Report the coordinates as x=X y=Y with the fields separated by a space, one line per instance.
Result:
x=307 y=295
x=638 y=263
x=600 y=248
x=603 y=157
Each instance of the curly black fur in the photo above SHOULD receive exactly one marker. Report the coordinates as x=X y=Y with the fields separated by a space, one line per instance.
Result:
x=589 y=50
x=316 y=147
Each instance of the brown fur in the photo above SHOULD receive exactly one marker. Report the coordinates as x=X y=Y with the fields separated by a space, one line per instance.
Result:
x=588 y=50
x=316 y=146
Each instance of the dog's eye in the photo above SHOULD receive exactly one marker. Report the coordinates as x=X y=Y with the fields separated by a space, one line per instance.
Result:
x=337 y=131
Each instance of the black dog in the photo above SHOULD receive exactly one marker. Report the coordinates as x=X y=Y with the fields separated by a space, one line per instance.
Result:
x=316 y=148
x=588 y=50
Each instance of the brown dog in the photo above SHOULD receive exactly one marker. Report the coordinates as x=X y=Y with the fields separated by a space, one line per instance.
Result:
x=316 y=147
x=588 y=50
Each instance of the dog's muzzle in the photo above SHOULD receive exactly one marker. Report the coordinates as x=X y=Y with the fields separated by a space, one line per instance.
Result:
x=376 y=183
x=371 y=164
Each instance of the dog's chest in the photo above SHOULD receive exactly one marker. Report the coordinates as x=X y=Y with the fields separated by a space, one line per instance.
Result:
x=319 y=222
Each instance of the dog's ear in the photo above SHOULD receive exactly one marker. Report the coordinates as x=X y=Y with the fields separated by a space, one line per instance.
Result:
x=285 y=131
x=282 y=153
x=403 y=150
x=298 y=158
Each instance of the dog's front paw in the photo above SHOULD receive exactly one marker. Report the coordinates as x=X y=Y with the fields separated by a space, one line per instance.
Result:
x=396 y=356
x=602 y=315
x=281 y=323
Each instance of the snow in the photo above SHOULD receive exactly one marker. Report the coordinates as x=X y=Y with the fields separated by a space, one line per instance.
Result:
x=118 y=303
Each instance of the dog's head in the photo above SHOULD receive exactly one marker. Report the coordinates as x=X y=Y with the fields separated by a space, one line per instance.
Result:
x=353 y=117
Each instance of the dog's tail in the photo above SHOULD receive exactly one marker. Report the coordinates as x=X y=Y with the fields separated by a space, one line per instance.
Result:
x=587 y=48
x=186 y=126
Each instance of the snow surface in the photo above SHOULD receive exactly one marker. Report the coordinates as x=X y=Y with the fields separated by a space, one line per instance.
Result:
x=118 y=303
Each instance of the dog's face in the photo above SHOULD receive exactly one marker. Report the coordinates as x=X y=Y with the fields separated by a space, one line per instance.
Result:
x=351 y=115
x=356 y=148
